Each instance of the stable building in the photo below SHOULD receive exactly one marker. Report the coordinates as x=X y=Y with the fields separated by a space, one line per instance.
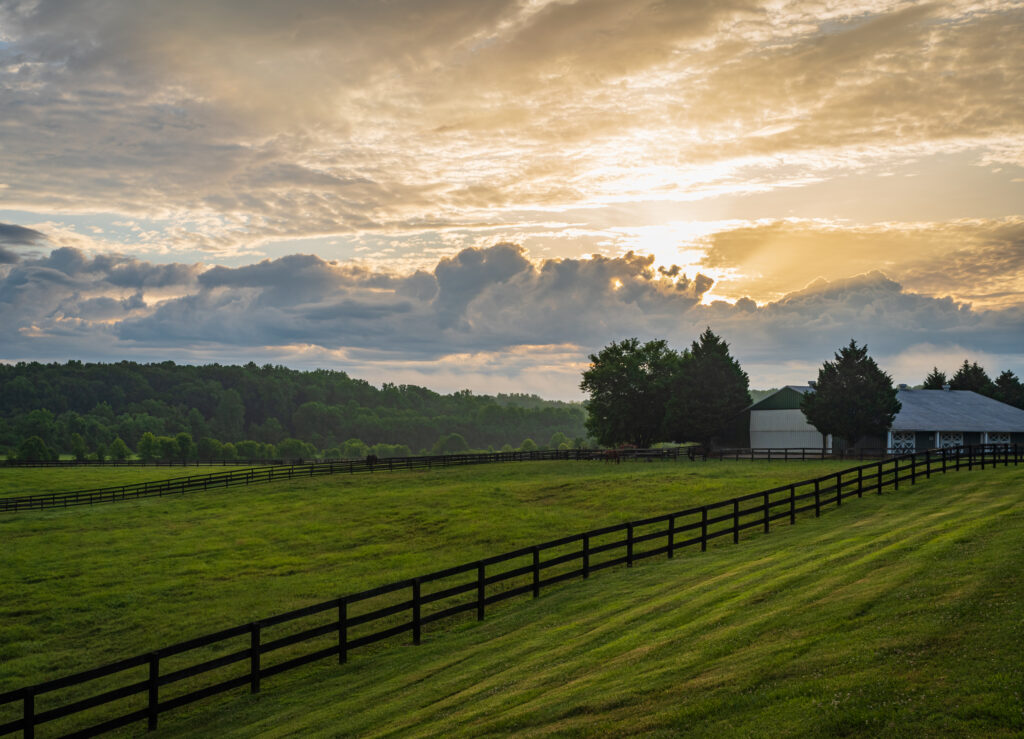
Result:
x=776 y=422
x=928 y=419
x=939 y=419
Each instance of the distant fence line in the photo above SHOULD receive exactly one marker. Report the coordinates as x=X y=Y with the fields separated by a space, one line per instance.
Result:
x=345 y=623
x=791 y=453
x=283 y=471
x=275 y=473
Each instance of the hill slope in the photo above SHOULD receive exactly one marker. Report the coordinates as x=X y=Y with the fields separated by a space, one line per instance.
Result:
x=898 y=614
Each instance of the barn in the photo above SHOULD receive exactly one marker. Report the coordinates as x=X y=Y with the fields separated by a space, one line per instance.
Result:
x=931 y=419
x=927 y=419
x=776 y=422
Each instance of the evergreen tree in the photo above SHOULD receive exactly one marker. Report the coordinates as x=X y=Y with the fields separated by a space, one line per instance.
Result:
x=708 y=389
x=1009 y=389
x=971 y=376
x=852 y=397
x=935 y=380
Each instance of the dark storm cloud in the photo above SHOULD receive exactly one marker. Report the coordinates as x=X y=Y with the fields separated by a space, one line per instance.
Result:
x=13 y=235
x=490 y=302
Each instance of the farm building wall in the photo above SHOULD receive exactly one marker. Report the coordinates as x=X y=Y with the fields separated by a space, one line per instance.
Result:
x=785 y=428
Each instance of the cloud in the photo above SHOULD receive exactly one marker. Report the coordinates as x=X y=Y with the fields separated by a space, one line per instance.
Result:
x=975 y=261
x=228 y=125
x=12 y=235
x=487 y=313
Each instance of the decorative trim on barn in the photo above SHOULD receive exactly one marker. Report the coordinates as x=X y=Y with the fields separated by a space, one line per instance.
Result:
x=903 y=441
x=949 y=439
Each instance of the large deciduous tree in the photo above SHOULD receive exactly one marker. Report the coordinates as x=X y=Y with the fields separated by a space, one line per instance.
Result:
x=852 y=398
x=708 y=389
x=628 y=383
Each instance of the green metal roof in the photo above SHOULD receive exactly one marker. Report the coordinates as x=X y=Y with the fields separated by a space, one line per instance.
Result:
x=786 y=399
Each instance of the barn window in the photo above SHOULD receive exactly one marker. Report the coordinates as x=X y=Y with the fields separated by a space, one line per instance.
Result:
x=903 y=441
x=998 y=437
x=950 y=439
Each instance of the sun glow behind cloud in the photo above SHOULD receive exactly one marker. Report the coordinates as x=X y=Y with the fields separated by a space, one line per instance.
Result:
x=761 y=145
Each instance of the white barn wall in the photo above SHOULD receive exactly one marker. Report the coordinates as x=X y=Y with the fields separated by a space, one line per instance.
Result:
x=780 y=429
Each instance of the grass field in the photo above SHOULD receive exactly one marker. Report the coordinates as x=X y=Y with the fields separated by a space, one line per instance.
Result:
x=85 y=586
x=897 y=615
x=16 y=481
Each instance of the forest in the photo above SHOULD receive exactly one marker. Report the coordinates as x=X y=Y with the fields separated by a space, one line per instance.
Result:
x=218 y=411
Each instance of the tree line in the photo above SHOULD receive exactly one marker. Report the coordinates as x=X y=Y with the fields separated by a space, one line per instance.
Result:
x=641 y=394
x=170 y=411
x=1006 y=388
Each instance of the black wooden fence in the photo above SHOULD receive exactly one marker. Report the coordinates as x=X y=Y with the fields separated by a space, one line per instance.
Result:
x=143 y=687
x=660 y=453
x=274 y=473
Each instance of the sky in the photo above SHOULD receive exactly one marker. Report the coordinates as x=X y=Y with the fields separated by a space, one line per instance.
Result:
x=481 y=193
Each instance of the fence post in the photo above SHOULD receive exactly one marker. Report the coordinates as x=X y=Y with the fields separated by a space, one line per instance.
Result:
x=817 y=498
x=154 y=691
x=629 y=545
x=895 y=473
x=970 y=458
x=944 y=455
x=928 y=465
x=342 y=631
x=913 y=468
x=766 y=513
x=703 y=528
x=671 y=536
x=982 y=455
x=254 y=657
x=792 y=504
x=586 y=556
x=481 y=582
x=735 y=521
x=536 y=572
x=860 y=479
x=29 y=715
x=839 y=490
x=878 y=480
x=416 y=625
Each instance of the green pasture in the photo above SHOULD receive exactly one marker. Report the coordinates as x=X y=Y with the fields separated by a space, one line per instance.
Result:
x=16 y=481
x=84 y=586
x=896 y=615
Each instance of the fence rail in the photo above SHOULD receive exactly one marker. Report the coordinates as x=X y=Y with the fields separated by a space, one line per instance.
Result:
x=145 y=462
x=274 y=473
x=258 y=650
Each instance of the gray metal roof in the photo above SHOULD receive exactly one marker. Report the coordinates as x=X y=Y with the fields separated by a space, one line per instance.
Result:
x=954 y=410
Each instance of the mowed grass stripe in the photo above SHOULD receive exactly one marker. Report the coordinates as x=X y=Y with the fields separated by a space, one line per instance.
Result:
x=83 y=587
x=898 y=614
